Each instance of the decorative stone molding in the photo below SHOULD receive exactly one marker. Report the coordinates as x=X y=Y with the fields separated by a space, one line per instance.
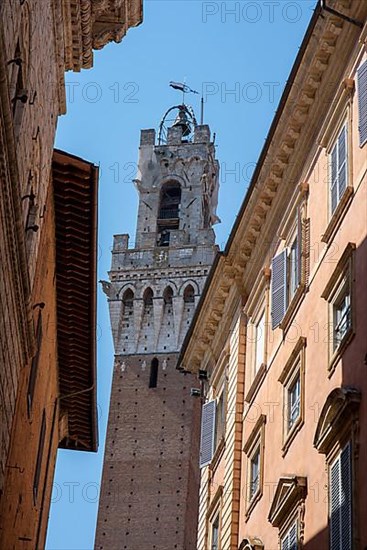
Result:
x=291 y=490
x=91 y=24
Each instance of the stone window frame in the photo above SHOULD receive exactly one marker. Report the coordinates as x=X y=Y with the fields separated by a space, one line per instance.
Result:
x=219 y=384
x=255 y=443
x=341 y=115
x=295 y=223
x=214 y=511
x=296 y=365
x=345 y=268
x=288 y=507
x=337 y=426
x=256 y=305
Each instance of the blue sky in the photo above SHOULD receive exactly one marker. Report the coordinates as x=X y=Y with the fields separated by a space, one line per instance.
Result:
x=239 y=54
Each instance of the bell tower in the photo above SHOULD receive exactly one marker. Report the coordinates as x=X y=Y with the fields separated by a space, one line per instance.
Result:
x=150 y=482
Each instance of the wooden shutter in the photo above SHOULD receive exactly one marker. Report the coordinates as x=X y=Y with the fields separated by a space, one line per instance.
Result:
x=342 y=162
x=340 y=501
x=362 y=103
x=300 y=244
x=293 y=543
x=346 y=498
x=207 y=433
x=278 y=288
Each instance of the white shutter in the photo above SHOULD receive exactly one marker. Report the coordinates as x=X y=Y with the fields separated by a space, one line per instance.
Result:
x=362 y=103
x=340 y=501
x=207 y=433
x=278 y=288
x=342 y=162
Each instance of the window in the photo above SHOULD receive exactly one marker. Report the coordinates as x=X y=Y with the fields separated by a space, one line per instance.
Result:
x=128 y=302
x=254 y=473
x=338 y=169
x=340 y=501
x=288 y=272
x=362 y=103
x=290 y=540
x=342 y=319
x=220 y=417
x=292 y=378
x=189 y=295
x=168 y=212
x=214 y=545
x=259 y=342
x=168 y=296
x=254 y=449
x=294 y=401
x=153 y=378
x=148 y=300
x=339 y=293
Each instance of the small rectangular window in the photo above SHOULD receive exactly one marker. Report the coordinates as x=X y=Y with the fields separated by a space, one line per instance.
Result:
x=294 y=401
x=338 y=176
x=259 y=342
x=254 y=473
x=342 y=319
x=215 y=534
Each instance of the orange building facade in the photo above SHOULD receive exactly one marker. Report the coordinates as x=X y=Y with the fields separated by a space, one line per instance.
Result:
x=280 y=331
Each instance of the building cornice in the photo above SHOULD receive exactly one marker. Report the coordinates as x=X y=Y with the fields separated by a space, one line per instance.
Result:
x=328 y=43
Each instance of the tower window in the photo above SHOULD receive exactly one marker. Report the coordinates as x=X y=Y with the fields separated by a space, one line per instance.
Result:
x=148 y=298
x=189 y=295
x=128 y=301
x=153 y=378
x=168 y=295
x=168 y=213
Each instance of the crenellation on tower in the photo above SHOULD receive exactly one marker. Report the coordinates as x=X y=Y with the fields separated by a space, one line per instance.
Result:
x=154 y=287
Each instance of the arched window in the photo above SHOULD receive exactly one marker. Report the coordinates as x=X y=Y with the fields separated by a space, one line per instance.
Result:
x=128 y=302
x=153 y=378
x=189 y=295
x=168 y=295
x=148 y=298
x=169 y=211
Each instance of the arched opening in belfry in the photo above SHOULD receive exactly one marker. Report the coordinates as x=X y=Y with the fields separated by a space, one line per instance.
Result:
x=168 y=212
x=153 y=378
x=168 y=295
x=128 y=302
x=148 y=299
x=189 y=295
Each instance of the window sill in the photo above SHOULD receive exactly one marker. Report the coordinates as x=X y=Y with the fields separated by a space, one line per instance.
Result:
x=255 y=499
x=338 y=215
x=297 y=426
x=291 y=310
x=218 y=454
x=256 y=383
x=337 y=354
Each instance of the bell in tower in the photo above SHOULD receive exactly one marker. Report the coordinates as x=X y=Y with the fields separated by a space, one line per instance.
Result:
x=154 y=286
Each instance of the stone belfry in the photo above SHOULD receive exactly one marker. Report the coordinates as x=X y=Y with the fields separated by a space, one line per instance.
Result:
x=150 y=479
